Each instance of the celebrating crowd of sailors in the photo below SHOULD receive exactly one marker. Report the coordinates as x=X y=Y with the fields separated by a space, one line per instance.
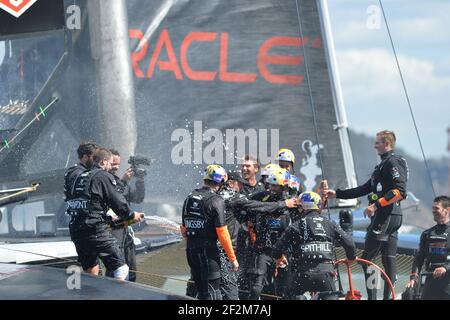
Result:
x=249 y=238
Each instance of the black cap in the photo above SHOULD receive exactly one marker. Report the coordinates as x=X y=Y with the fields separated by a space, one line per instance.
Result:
x=237 y=176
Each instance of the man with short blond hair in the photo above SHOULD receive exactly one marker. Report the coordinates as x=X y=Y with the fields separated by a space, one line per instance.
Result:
x=385 y=189
x=387 y=136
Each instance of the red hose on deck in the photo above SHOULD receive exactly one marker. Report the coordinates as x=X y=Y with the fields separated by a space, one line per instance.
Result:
x=353 y=294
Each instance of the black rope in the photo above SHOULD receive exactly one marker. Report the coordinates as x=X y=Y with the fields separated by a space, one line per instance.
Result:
x=311 y=98
x=39 y=254
x=407 y=99
x=316 y=131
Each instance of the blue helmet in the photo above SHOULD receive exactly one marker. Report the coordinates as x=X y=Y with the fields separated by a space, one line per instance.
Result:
x=310 y=201
x=215 y=173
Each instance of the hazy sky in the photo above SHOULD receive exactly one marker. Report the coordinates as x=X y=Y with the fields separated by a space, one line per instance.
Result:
x=371 y=84
x=370 y=81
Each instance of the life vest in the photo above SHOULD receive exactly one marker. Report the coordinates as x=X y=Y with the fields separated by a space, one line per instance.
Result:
x=195 y=219
x=79 y=200
x=317 y=242
x=70 y=176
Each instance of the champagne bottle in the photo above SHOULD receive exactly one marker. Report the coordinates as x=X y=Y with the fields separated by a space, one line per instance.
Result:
x=120 y=223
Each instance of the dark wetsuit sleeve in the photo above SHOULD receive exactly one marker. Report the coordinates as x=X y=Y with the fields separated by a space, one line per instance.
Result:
x=289 y=236
x=241 y=202
x=354 y=192
x=183 y=212
x=136 y=191
x=104 y=187
x=257 y=195
x=419 y=257
x=124 y=190
x=345 y=240
x=217 y=211
x=399 y=173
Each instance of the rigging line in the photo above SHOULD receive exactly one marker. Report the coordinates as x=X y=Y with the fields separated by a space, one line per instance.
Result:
x=65 y=260
x=15 y=190
x=407 y=98
x=30 y=123
x=13 y=195
x=143 y=273
x=26 y=190
x=149 y=274
x=76 y=262
x=316 y=130
x=311 y=98
x=38 y=254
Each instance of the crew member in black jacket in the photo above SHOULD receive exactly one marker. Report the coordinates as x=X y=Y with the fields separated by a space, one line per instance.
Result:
x=310 y=240
x=434 y=251
x=237 y=205
x=386 y=188
x=85 y=153
x=92 y=194
x=203 y=226
x=264 y=230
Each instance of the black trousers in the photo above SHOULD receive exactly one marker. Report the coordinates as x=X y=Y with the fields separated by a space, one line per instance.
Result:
x=382 y=238
x=126 y=245
x=104 y=247
x=281 y=281
x=205 y=271
x=259 y=269
x=130 y=258
x=191 y=289
x=319 y=280
x=321 y=283
x=229 y=288
x=243 y=255
x=94 y=243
